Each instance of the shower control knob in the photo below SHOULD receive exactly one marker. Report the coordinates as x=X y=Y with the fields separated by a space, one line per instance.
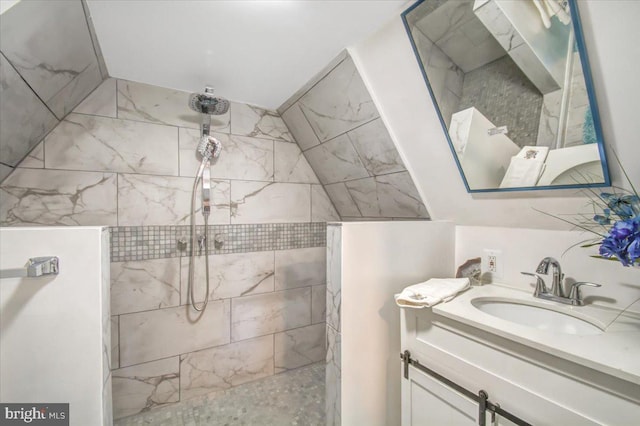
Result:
x=202 y=239
x=218 y=241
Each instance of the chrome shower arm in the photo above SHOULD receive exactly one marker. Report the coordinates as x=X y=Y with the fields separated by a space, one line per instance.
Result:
x=205 y=124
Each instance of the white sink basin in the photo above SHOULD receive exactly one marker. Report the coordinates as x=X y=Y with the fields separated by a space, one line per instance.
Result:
x=535 y=316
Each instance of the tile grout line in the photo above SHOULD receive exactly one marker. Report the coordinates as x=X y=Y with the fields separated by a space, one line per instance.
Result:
x=231 y=320
x=117 y=202
x=310 y=203
x=343 y=133
x=119 y=345
x=31 y=88
x=117 y=99
x=273 y=159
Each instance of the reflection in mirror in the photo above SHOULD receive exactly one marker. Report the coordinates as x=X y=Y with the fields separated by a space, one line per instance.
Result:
x=513 y=90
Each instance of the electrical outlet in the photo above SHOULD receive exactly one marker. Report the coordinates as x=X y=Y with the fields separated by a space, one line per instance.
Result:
x=492 y=264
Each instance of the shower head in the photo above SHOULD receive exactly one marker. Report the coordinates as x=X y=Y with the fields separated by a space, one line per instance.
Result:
x=206 y=103
x=209 y=147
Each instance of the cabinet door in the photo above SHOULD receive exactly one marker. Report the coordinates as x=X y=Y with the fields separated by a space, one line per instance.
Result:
x=427 y=401
x=501 y=421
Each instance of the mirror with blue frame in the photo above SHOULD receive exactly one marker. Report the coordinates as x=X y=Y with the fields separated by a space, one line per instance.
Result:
x=512 y=86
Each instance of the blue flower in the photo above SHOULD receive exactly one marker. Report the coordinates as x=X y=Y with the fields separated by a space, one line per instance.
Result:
x=625 y=206
x=602 y=219
x=623 y=241
x=634 y=249
x=623 y=228
x=610 y=247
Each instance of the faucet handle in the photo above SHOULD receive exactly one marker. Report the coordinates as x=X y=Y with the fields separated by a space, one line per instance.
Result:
x=575 y=295
x=540 y=285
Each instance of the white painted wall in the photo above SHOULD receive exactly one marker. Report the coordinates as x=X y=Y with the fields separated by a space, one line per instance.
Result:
x=391 y=73
x=54 y=330
x=522 y=250
x=379 y=259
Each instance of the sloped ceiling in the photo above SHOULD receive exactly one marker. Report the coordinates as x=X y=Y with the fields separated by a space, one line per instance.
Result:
x=254 y=51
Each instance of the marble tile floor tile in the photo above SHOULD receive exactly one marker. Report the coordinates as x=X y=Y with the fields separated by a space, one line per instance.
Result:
x=292 y=398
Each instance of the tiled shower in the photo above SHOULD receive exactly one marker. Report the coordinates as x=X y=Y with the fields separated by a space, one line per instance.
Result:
x=266 y=313
x=125 y=158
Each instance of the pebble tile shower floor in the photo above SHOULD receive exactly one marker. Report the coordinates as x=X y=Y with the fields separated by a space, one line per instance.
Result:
x=292 y=398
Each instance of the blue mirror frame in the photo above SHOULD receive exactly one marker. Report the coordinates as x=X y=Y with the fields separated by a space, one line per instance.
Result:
x=581 y=47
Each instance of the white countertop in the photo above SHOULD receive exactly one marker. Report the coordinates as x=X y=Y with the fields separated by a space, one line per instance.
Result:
x=615 y=352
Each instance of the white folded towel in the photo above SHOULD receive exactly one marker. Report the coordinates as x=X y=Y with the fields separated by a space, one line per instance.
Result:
x=431 y=292
x=522 y=173
x=525 y=167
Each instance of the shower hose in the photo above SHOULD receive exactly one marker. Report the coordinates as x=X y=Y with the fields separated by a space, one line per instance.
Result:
x=193 y=249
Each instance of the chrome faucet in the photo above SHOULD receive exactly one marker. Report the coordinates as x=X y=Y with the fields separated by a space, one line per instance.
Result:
x=558 y=276
x=557 y=293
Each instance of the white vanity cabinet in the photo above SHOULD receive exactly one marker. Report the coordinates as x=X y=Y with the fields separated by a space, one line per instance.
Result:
x=538 y=388
x=428 y=401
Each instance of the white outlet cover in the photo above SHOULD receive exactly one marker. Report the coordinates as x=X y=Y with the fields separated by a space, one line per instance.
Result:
x=499 y=273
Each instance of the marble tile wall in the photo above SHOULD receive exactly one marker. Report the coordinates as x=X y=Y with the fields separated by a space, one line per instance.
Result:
x=107 y=324
x=456 y=30
x=126 y=158
x=333 y=381
x=22 y=128
x=223 y=367
x=299 y=347
x=126 y=139
x=334 y=278
x=146 y=385
x=445 y=77
x=265 y=315
x=549 y=119
x=578 y=105
x=49 y=62
x=340 y=133
x=527 y=42
x=333 y=378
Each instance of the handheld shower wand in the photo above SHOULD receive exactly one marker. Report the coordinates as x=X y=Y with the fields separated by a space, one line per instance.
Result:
x=208 y=147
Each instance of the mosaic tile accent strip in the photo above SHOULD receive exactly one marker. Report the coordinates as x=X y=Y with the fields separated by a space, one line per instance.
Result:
x=156 y=242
